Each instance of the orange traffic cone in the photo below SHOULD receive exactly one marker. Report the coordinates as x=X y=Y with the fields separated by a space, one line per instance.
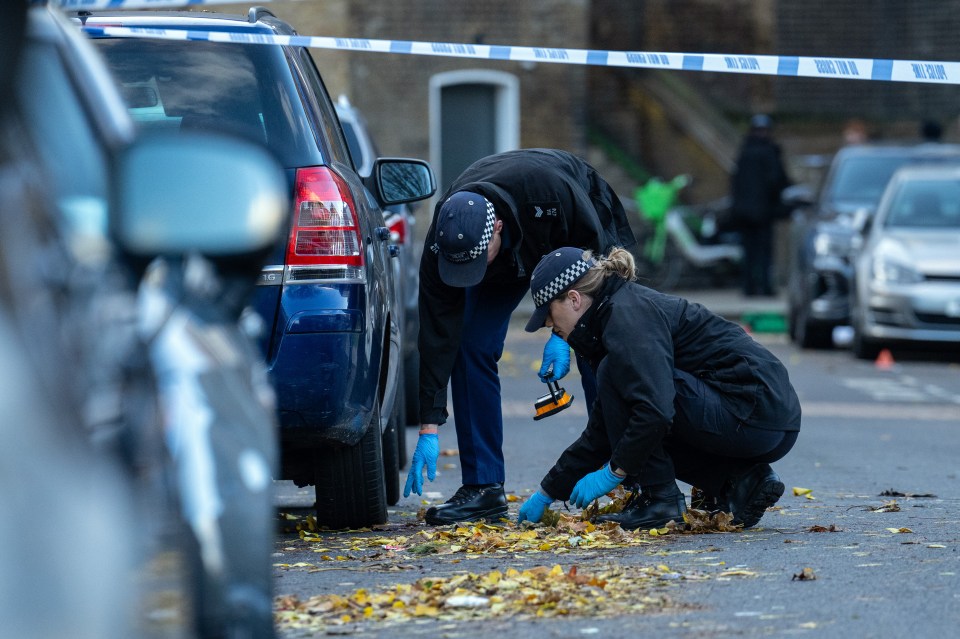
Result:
x=884 y=360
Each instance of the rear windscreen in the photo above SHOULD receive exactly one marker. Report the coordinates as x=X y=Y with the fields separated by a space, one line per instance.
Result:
x=204 y=86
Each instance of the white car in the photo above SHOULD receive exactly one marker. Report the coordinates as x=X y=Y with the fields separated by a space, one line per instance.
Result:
x=907 y=270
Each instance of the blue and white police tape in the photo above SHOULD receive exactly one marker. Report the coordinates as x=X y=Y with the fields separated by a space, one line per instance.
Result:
x=925 y=71
x=91 y=5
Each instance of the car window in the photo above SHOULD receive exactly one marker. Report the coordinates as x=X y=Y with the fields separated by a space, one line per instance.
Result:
x=328 y=116
x=353 y=143
x=179 y=86
x=863 y=179
x=931 y=204
x=65 y=137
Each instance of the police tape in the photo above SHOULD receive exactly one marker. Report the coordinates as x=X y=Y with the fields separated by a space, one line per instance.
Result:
x=90 y=5
x=924 y=71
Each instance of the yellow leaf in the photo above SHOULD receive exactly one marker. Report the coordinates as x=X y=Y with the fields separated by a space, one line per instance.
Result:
x=425 y=611
x=797 y=492
x=544 y=546
x=512 y=498
x=556 y=571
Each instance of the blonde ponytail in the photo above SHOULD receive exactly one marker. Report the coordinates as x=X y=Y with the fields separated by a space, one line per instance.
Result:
x=618 y=261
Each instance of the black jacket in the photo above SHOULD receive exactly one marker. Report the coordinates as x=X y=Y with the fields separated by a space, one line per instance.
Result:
x=641 y=336
x=546 y=199
x=757 y=182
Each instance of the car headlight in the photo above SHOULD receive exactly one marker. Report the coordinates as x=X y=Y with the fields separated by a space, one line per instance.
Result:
x=887 y=270
x=829 y=244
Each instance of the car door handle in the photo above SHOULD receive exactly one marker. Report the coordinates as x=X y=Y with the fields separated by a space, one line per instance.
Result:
x=383 y=233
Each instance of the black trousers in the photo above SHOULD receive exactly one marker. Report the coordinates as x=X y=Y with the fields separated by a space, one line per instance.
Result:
x=707 y=445
x=757 y=242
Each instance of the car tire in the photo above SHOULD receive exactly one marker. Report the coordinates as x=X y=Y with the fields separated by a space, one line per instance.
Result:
x=862 y=346
x=391 y=450
x=807 y=334
x=350 y=484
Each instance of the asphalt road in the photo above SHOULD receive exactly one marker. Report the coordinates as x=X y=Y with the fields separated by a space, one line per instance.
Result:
x=885 y=565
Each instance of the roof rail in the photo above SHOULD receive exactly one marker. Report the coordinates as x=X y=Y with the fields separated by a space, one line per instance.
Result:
x=255 y=12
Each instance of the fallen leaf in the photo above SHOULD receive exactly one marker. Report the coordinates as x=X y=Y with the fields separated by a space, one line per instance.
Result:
x=820 y=529
x=806 y=574
x=798 y=492
x=897 y=493
x=899 y=530
x=888 y=507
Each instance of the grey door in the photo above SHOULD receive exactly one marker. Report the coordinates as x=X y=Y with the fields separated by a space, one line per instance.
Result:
x=467 y=127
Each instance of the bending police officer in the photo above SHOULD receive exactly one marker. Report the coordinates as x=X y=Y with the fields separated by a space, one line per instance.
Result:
x=489 y=231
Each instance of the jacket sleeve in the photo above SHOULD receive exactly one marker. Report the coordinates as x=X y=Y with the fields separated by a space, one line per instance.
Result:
x=441 y=324
x=588 y=453
x=639 y=368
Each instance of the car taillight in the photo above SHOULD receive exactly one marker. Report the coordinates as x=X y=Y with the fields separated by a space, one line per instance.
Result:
x=325 y=229
x=398 y=229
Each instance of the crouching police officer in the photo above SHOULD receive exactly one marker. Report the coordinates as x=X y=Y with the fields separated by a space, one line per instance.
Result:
x=682 y=394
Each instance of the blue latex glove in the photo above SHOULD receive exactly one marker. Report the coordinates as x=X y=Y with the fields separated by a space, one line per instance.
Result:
x=426 y=453
x=556 y=353
x=532 y=509
x=596 y=484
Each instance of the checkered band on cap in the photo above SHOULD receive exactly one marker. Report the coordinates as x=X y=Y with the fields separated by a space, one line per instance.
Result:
x=562 y=281
x=485 y=237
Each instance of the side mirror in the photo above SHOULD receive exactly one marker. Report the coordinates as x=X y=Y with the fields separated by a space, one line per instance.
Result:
x=861 y=221
x=399 y=180
x=204 y=193
x=797 y=196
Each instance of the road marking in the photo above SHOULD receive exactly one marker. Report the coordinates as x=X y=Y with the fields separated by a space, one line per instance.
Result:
x=882 y=411
x=513 y=409
x=900 y=389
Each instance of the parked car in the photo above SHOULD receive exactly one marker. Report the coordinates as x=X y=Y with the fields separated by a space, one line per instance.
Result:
x=820 y=262
x=908 y=270
x=401 y=221
x=133 y=389
x=332 y=338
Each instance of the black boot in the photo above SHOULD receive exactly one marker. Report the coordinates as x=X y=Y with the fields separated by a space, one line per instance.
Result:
x=470 y=503
x=751 y=493
x=653 y=507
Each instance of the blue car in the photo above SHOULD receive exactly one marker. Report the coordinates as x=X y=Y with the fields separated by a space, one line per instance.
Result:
x=324 y=310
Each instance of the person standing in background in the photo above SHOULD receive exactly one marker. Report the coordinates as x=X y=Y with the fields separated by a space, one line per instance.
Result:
x=755 y=189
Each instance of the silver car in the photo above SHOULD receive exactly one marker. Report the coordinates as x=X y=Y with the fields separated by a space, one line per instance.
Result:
x=907 y=272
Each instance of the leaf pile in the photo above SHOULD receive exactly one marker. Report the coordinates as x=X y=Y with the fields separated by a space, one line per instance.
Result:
x=539 y=592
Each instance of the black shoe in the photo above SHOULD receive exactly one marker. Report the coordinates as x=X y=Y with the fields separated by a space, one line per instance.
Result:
x=470 y=503
x=752 y=493
x=702 y=500
x=653 y=507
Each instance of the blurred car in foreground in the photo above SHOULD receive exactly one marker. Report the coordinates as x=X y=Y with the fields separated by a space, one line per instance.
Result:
x=908 y=269
x=820 y=260
x=331 y=336
x=161 y=394
x=401 y=222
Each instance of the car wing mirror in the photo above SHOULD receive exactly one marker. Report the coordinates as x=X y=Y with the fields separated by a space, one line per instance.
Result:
x=399 y=180
x=797 y=196
x=218 y=196
x=861 y=221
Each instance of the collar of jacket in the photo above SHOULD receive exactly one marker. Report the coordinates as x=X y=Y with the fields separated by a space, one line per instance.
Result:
x=587 y=336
